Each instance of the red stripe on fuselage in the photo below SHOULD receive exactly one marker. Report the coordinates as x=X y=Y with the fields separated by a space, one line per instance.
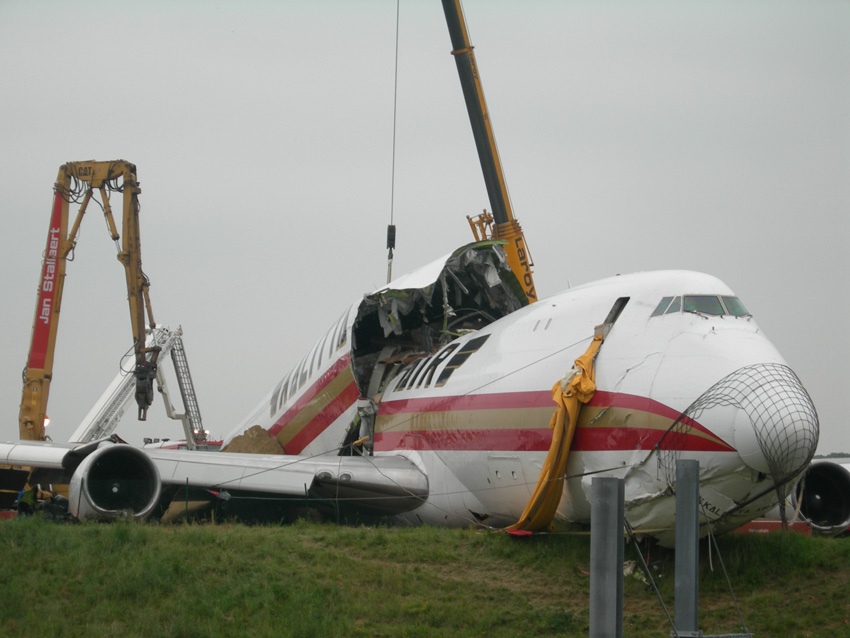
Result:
x=586 y=439
x=327 y=415
x=530 y=440
x=533 y=399
x=518 y=439
x=536 y=399
x=642 y=404
x=538 y=440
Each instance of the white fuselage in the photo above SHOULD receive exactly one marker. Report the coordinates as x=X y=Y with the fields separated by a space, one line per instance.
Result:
x=474 y=414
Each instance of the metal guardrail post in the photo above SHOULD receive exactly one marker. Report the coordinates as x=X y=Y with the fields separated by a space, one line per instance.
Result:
x=686 y=608
x=606 y=557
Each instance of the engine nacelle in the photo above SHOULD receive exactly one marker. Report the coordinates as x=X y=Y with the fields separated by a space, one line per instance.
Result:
x=823 y=496
x=114 y=481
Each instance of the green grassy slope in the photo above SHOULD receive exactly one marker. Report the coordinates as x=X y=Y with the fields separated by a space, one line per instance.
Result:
x=325 y=580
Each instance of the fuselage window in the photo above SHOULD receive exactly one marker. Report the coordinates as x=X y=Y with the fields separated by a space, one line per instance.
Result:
x=340 y=332
x=704 y=304
x=322 y=348
x=297 y=375
x=307 y=370
x=661 y=307
x=316 y=353
x=343 y=337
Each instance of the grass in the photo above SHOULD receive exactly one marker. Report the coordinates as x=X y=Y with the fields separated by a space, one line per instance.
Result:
x=308 y=580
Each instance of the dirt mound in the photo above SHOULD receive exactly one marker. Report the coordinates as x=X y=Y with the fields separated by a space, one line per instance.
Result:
x=255 y=440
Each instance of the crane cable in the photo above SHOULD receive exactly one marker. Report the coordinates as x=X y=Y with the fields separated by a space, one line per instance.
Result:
x=391 y=226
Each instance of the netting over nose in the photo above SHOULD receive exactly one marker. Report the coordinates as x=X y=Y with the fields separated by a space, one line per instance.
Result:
x=780 y=410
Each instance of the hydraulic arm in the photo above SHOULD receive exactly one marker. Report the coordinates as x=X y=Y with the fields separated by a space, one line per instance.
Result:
x=77 y=182
x=506 y=227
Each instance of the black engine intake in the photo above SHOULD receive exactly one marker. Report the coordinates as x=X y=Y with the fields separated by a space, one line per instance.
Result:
x=114 y=481
x=824 y=496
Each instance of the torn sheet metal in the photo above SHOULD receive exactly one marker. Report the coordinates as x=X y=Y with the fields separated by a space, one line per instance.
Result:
x=476 y=273
x=419 y=312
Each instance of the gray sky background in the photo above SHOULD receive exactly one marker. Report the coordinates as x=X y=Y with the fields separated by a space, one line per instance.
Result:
x=712 y=136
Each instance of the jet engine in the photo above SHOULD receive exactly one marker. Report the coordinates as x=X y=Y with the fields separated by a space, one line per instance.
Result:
x=823 y=498
x=114 y=481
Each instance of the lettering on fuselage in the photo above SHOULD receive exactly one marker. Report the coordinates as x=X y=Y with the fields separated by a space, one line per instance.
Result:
x=422 y=374
x=278 y=396
x=710 y=507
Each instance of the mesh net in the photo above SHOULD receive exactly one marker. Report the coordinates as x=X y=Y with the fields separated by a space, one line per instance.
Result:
x=780 y=410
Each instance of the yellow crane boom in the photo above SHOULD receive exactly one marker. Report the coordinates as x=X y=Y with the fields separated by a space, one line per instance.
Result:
x=77 y=183
x=506 y=226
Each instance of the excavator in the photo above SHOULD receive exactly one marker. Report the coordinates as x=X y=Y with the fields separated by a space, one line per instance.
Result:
x=79 y=182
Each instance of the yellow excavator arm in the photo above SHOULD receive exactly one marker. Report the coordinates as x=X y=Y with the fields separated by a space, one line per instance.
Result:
x=77 y=182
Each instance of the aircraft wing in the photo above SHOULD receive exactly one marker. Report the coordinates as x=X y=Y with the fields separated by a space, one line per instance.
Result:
x=107 y=479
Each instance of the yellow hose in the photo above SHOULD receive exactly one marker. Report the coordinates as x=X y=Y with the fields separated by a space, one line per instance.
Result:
x=576 y=388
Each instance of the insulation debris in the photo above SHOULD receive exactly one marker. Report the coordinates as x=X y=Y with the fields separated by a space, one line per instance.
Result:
x=255 y=440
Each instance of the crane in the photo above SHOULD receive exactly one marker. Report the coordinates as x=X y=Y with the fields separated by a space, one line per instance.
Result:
x=77 y=182
x=501 y=224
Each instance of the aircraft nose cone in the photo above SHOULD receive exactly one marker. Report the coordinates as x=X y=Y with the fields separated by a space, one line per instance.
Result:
x=775 y=424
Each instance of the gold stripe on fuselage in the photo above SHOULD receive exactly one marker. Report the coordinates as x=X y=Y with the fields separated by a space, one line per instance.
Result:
x=323 y=398
x=459 y=420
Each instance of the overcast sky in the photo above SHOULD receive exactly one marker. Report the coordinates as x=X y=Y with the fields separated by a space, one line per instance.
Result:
x=712 y=136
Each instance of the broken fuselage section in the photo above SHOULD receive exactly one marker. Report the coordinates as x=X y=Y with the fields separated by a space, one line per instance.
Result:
x=447 y=370
x=327 y=402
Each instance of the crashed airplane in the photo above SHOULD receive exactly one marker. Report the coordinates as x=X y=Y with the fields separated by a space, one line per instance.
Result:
x=452 y=397
x=431 y=401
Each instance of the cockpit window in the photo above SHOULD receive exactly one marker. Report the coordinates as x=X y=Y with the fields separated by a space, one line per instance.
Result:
x=676 y=306
x=734 y=307
x=705 y=304
x=659 y=310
